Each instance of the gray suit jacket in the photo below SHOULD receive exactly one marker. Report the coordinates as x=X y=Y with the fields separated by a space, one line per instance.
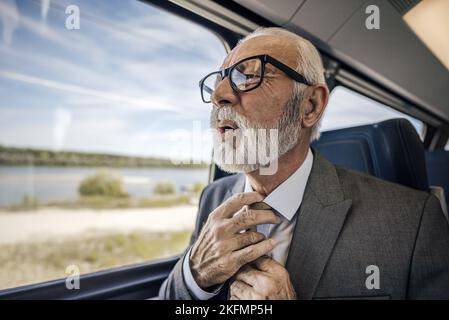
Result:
x=348 y=221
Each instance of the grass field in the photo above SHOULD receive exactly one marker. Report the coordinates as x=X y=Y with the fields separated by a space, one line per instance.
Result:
x=33 y=262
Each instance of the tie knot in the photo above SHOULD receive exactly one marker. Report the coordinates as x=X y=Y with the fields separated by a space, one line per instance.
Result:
x=260 y=206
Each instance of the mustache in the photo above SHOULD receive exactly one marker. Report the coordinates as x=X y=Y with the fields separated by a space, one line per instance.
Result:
x=227 y=112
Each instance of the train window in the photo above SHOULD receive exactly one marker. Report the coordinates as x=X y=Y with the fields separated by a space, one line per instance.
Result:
x=347 y=108
x=93 y=96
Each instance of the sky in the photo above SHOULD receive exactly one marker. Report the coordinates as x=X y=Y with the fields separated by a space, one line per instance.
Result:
x=126 y=82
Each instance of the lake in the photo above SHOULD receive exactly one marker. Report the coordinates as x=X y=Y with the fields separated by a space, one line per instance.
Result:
x=61 y=183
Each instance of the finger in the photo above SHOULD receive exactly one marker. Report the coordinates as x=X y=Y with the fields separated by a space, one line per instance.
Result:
x=237 y=201
x=245 y=239
x=248 y=275
x=252 y=252
x=237 y=292
x=247 y=218
x=243 y=291
x=266 y=264
x=240 y=289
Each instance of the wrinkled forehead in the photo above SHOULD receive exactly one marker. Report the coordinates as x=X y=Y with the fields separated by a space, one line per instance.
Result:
x=278 y=47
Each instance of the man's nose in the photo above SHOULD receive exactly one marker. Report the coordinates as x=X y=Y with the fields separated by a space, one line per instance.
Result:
x=223 y=94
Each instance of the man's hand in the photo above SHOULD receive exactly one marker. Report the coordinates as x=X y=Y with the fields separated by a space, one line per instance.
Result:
x=221 y=249
x=265 y=280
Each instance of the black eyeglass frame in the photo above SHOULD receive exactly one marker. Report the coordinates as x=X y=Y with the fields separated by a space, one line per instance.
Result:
x=264 y=58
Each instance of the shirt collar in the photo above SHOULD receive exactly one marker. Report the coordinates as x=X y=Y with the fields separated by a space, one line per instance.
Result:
x=287 y=197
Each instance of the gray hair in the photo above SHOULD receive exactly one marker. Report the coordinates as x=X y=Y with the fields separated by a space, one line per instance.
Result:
x=309 y=63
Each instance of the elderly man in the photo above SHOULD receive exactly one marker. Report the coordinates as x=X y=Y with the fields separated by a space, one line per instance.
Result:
x=308 y=229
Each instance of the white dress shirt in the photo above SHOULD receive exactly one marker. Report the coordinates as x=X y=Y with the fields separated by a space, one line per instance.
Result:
x=285 y=200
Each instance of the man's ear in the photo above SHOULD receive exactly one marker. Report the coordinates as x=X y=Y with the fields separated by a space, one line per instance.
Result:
x=316 y=98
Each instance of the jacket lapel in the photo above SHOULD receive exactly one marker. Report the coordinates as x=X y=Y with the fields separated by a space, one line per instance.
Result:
x=320 y=218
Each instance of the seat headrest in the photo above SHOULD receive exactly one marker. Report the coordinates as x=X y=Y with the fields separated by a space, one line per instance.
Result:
x=390 y=150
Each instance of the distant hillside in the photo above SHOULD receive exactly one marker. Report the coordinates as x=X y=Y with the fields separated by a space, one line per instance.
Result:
x=39 y=157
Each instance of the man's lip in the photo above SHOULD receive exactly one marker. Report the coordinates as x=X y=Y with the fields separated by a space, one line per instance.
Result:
x=222 y=131
x=227 y=125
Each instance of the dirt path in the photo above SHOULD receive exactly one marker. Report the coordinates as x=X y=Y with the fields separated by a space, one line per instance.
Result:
x=48 y=223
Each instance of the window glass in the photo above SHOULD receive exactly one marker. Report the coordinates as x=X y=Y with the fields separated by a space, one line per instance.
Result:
x=347 y=108
x=99 y=102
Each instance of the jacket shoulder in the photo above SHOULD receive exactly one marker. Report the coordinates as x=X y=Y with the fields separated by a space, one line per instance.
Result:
x=358 y=185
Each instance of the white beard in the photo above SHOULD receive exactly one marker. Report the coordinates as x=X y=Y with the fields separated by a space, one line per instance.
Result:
x=237 y=157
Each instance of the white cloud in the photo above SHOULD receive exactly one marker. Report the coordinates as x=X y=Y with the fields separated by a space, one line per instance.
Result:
x=146 y=103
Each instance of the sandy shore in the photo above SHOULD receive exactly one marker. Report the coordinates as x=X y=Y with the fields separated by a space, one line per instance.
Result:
x=49 y=223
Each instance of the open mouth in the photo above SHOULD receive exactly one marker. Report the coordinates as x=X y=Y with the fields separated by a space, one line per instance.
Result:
x=226 y=125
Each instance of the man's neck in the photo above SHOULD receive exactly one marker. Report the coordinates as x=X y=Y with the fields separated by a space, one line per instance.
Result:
x=287 y=165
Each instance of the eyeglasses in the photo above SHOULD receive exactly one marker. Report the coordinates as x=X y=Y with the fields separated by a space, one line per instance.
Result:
x=245 y=75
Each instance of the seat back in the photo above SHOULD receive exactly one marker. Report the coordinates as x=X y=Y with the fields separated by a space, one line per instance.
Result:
x=438 y=170
x=390 y=150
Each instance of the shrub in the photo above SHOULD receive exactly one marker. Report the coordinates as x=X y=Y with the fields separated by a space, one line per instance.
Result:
x=164 y=188
x=103 y=183
x=198 y=187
